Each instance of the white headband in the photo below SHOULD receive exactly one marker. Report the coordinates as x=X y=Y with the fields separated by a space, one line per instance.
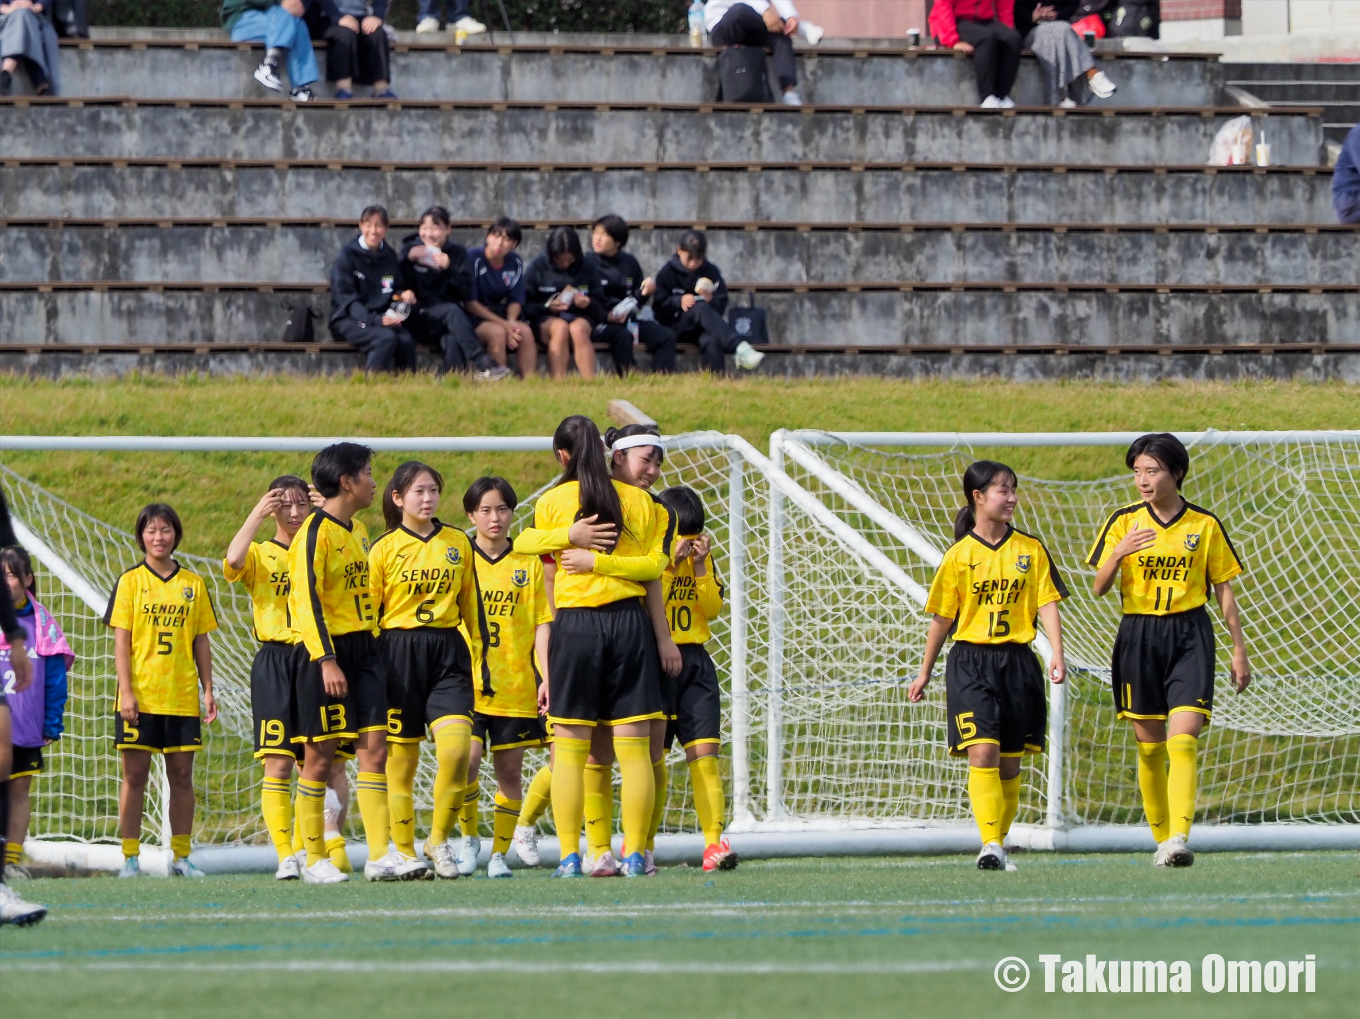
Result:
x=629 y=441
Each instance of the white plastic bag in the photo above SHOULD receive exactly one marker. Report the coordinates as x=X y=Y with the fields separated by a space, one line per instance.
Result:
x=1232 y=144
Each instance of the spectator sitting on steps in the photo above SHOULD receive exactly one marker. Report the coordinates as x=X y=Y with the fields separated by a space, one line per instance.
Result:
x=497 y=301
x=364 y=282
x=279 y=25
x=625 y=293
x=691 y=299
x=356 y=47
x=1346 y=179
x=28 y=37
x=437 y=270
x=763 y=23
x=1070 y=73
x=985 y=29
x=565 y=305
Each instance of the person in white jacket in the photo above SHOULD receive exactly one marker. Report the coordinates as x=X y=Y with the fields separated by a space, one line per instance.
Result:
x=769 y=24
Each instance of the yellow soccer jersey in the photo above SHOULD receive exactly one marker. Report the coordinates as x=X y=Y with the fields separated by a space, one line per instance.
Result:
x=1192 y=552
x=994 y=593
x=164 y=614
x=642 y=552
x=515 y=602
x=329 y=582
x=265 y=577
x=419 y=582
x=691 y=602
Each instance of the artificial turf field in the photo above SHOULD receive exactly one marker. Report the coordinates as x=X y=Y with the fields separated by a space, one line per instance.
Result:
x=813 y=937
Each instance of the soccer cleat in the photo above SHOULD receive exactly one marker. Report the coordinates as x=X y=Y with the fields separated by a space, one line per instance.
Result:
x=720 y=856
x=497 y=867
x=635 y=865
x=468 y=25
x=526 y=845
x=649 y=860
x=383 y=869
x=603 y=865
x=132 y=867
x=288 y=869
x=1007 y=103
x=1173 y=853
x=323 y=872
x=411 y=868
x=992 y=857
x=469 y=848
x=440 y=855
x=792 y=98
x=301 y=857
x=747 y=356
x=569 y=867
x=302 y=94
x=1101 y=85
x=991 y=103
x=427 y=25
x=268 y=75
x=185 y=868
x=14 y=910
x=17 y=872
x=491 y=372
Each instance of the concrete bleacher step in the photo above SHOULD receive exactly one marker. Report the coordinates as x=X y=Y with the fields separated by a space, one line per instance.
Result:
x=999 y=315
x=846 y=255
x=215 y=68
x=1331 y=85
x=586 y=133
x=113 y=188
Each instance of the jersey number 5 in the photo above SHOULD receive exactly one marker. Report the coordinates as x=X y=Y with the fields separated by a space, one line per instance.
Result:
x=163 y=645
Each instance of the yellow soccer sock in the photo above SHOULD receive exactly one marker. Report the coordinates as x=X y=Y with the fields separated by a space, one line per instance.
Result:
x=1180 y=782
x=276 y=804
x=372 y=791
x=503 y=826
x=452 y=745
x=568 y=791
x=469 y=815
x=638 y=789
x=311 y=818
x=402 y=761
x=1010 y=796
x=131 y=848
x=709 y=802
x=984 y=791
x=599 y=807
x=297 y=830
x=179 y=846
x=14 y=852
x=660 y=787
x=339 y=854
x=538 y=797
x=1152 y=783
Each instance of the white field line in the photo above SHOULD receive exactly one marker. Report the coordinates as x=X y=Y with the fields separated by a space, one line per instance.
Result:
x=509 y=965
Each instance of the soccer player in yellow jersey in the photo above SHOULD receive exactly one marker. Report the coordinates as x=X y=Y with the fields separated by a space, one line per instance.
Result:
x=425 y=588
x=602 y=659
x=261 y=567
x=506 y=719
x=1167 y=554
x=694 y=597
x=990 y=586
x=341 y=690
x=161 y=616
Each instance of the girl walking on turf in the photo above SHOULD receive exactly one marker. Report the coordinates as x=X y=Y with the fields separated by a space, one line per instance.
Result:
x=1167 y=553
x=991 y=584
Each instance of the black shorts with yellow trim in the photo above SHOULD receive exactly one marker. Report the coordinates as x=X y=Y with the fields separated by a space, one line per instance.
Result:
x=273 y=697
x=1164 y=664
x=429 y=677
x=503 y=732
x=994 y=693
x=346 y=751
x=160 y=734
x=26 y=761
x=698 y=705
x=321 y=717
x=602 y=665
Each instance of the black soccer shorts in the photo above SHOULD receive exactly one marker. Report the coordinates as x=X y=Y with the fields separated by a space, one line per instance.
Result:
x=161 y=734
x=698 y=706
x=502 y=732
x=1164 y=664
x=321 y=717
x=273 y=697
x=25 y=761
x=429 y=677
x=995 y=694
x=602 y=666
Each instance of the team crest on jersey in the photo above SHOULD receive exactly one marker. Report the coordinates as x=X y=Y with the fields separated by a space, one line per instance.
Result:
x=1191 y=542
x=1022 y=563
x=188 y=594
x=363 y=543
x=453 y=555
x=520 y=578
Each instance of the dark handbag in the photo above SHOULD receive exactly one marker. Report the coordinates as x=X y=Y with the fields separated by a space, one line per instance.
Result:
x=299 y=327
x=1136 y=18
x=742 y=77
x=749 y=323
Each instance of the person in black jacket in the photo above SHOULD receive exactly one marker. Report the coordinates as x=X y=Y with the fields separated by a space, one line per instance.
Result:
x=439 y=272
x=692 y=298
x=364 y=283
x=621 y=278
x=565 y=326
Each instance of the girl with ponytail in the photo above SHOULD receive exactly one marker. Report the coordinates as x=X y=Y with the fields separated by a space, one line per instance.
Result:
x=990 y=586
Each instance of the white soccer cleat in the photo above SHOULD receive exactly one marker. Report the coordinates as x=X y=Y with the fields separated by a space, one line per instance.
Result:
x=288 y=869
x=132 y=867
x=469 y=25
x=497 y=867
x=14 y=910
x=323 y=872
x=525 y=844
x=469 y=849
x=992 y=857
x=17 y=872
x=383 y=869
x=1173 y=853
x=427 y=25
x=1101 y=85
x=603 y=865
x=442 y=859
x=301 y=857
x=185 y=868
x=747 y=356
